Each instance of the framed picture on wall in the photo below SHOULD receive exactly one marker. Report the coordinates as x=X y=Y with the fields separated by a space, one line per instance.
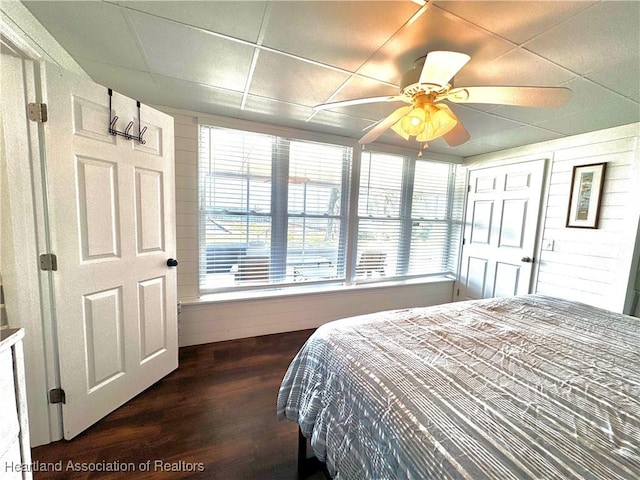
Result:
x=586 y=192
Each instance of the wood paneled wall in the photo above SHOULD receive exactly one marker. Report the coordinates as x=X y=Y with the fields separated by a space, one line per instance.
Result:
x=594 y=266
x=186 y=141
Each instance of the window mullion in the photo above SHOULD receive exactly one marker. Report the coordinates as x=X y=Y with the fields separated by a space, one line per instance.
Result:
x=279 y=217
x=352 y=219
x=449 y=218
x=404 y=247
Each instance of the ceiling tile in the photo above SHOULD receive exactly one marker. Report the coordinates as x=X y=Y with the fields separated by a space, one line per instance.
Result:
x=347 y=125
x=221 y=17
x=465 y=150
x=132 y=83
x=517 y=67
x=371 y=112
x=87 y=36
x=516 y=21
x=261 y=107
x=599 y=115
x=519 y=136
x=486 y=124
x=198 y=98
x=604 y=35
x=186 y=53
x=344 y=34
x=360 y=87
x=620 y=78
x=436 y=29
x=529 y=115
x=294 y=81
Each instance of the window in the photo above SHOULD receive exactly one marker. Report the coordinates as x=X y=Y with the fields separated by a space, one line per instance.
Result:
x=274 y=212
x=271 y=210
x=407 y=223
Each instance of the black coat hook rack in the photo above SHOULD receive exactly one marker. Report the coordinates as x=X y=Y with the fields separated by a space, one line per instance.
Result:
x=126 y=134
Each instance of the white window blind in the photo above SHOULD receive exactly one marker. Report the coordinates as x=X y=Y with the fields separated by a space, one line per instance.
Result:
x=380 y=211
x=274 y=212
x=271 y=210
x=409 y=217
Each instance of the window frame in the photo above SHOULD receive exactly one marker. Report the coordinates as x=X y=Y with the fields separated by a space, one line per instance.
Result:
x=406 y=221
x=349 y=218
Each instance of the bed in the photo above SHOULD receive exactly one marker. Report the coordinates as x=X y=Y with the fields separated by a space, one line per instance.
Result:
x=528 y=387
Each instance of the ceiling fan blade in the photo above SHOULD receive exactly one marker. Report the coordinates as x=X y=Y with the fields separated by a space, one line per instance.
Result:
x=385 y=124
x=458 y=135
x=440 y=67
x=520 y=96
x=360 y=101
x=369 y=127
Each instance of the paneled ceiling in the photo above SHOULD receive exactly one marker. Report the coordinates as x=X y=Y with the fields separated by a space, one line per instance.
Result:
x=273 y=61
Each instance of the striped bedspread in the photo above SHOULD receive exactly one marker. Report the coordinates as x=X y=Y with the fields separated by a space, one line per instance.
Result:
x=528 y=387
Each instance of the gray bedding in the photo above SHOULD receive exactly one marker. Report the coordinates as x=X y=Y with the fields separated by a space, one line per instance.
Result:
x=527 y=387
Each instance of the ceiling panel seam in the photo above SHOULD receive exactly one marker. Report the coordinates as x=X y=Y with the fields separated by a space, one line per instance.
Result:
x=141 y=49
x=256 y=53
x=268 y=49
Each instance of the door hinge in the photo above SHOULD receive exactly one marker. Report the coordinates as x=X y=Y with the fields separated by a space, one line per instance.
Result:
x=468 y=188
x=37 y=112
x=464 y=241
x=57 y=395
x=458 y=293
x=48 y=261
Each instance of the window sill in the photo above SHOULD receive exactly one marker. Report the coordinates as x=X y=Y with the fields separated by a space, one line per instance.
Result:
x=309 y=290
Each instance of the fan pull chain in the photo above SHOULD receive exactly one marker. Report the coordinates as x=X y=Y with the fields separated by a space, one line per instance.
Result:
x=422 y=147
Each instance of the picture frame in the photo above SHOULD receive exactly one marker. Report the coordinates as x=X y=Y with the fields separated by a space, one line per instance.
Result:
x=587 y=182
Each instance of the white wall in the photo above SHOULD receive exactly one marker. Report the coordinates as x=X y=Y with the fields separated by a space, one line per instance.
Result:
x=595 y=266
x=186 y=141
x=225 y=320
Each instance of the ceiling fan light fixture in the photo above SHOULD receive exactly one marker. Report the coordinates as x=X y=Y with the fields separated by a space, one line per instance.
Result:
x=440 y=123
x=414 y=122
x=425 y=122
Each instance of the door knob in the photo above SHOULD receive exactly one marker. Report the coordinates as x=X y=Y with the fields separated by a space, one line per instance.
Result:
x=172 y=262
x=527 y=259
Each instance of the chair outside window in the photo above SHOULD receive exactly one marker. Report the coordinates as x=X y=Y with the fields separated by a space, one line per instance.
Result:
x=371 y=262
x=253 y=269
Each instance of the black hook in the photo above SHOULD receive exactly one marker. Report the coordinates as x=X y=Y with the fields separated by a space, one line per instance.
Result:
x=127 y=133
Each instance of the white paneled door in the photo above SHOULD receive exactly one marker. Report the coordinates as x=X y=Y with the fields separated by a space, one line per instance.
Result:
x=503 y=205
x=112 y=226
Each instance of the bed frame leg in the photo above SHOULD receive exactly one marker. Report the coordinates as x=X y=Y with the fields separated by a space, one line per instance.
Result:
x=302 y=455
x=308 y=466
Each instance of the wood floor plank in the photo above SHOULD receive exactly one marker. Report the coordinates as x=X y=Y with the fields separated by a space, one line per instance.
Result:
x=217 y=412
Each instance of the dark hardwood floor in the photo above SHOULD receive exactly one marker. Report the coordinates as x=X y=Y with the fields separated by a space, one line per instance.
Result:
x=217 y=413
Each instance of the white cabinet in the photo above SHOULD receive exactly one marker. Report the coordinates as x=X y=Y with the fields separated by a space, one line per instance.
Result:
x=15 y=453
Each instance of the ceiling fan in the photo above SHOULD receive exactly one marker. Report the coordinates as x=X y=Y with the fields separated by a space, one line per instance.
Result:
x=429 y=83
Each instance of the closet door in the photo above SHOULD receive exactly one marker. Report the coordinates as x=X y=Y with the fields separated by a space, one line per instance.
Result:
x=502 y=210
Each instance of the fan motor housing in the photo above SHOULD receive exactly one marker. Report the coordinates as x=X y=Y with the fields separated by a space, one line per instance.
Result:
x=410 y=86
